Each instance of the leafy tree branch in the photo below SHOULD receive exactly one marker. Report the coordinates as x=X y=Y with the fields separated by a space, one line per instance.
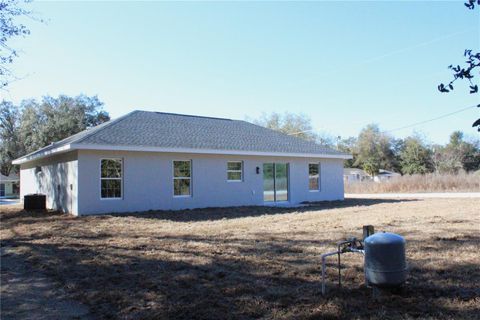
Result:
x=468 y=71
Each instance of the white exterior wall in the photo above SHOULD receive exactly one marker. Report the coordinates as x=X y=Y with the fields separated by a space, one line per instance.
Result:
x=148 y=181
x=57 y=180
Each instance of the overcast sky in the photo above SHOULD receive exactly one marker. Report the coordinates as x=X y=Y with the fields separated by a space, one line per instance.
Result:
x=344 y=64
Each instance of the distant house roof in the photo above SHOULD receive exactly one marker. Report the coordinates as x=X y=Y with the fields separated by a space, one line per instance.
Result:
x=386 y=173
x=347 y=171
x=168 y=132
x=10 y=178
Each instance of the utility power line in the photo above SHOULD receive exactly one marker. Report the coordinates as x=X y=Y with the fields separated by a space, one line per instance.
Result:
x=407 y=126
x=430 y=120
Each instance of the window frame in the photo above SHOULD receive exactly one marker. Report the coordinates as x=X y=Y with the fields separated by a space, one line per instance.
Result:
x=319 y=180
x=121 y=179
x=235 y=171
x=182 y=178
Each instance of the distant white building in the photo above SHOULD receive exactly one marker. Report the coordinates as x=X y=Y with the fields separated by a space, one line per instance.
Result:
x=355 y=175
x=9 y=186
x=385 y=175
x=351 y=175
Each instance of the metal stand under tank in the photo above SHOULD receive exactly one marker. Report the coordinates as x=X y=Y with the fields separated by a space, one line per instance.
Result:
x=385 y=263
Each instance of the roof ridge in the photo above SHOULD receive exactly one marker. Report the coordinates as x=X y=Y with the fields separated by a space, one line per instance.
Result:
x=187 y=115
x=103 y=126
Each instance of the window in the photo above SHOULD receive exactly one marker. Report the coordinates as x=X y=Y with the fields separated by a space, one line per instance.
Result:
x=234 y=171
x=111 y=178
x=314 y=176
x=2 y=189
x=182 y=178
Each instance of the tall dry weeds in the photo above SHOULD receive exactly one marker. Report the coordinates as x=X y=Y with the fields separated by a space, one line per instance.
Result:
x=462 y=182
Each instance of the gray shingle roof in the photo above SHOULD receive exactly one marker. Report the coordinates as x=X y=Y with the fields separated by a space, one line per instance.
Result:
x=177 y=131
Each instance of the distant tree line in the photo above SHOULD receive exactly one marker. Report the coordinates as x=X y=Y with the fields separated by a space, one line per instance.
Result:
x=34 y=124
x=373 y=149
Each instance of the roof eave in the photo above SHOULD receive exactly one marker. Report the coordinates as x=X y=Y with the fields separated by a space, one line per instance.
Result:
x=73 y=146
x=33 y=157
x=207 y=151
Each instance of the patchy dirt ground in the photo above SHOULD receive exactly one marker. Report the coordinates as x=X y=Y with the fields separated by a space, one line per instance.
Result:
x=250 y=262
x=26 y=293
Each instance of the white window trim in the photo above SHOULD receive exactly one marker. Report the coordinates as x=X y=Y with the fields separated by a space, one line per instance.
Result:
x=241 y=171
x=319 y=177
x=177 y=178
x=121 y=180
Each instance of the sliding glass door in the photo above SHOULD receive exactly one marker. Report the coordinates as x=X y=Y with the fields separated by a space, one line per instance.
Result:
x=281 y=182
x=275 y=182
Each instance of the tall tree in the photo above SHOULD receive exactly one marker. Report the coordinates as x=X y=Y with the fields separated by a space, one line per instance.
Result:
x=348 y=145
x=456 y=139
x=374 y=149
x=10 y=143
x=458 y=154
x=35 y=124
x=415 y=156
x=446 y=160
x=297 y=125
x=10 y=28
x=471 y=158
x=468 y=152
x=54 y=119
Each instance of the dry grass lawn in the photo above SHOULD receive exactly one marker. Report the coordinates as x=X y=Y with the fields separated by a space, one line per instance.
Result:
x=251 y=262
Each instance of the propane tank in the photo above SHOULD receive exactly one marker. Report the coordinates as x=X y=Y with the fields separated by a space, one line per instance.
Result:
x=385 y=264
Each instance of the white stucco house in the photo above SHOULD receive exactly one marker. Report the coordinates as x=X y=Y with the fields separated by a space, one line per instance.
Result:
x=162 y=161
